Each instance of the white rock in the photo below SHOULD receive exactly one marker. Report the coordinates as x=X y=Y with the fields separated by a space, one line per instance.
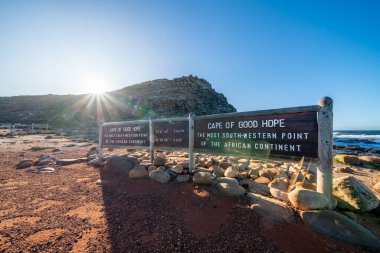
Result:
x=159 y=176
x=231 y=172
x=202 y=178
x=307 y=199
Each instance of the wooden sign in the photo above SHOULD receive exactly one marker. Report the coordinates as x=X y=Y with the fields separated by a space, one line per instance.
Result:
x=126 y=134
x=171 y=133
x=292 y=134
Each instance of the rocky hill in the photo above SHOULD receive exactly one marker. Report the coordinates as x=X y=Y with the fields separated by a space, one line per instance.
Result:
x=162 y=97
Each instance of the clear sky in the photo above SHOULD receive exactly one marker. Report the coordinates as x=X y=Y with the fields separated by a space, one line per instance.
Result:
x=260 y=54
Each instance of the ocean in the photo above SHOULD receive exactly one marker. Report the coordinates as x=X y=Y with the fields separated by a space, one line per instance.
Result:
x=362 y=138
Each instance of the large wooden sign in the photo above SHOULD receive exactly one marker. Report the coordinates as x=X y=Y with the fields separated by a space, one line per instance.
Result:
x=171 y=133
x=293 y=134
x=126 y=134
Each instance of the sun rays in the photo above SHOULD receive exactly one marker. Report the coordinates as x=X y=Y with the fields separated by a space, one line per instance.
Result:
x=108 y=106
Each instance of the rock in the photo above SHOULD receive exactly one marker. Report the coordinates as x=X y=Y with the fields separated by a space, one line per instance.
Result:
x=151 y=168
x=348 y=159
x=138 y=171
x=183 y=178
x=44 y=162
x=307 y=199
x=255 y=187
x=230 y=187
x=202 y=178
x=344 y=169
x=370 y=159
x=161 y=168
x=281 y=195
x=185 y=165
x=159 y=161
x=231 y=172
x=253 y=173
x=333 y=224
x=95 y=162
x=267 y=173
x=177 y=169
x=64 y=162
x=120 y=164
x=46 y=170
x=159 y=176
x=262 y=180
x=225 y=165
x=376 y=187
x=354 y=195
x=24 y=165
x=279 y=183
x=272 y=210
x=218 y=172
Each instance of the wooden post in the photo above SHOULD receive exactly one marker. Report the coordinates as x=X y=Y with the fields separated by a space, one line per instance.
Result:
x=100 y=142
x=191 y=143
x=325 y=148
x=151 y=139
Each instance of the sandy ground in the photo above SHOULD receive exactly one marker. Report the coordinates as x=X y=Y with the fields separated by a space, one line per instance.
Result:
x=67 y=211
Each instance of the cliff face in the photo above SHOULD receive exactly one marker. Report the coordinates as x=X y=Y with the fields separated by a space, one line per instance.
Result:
x=162 y=97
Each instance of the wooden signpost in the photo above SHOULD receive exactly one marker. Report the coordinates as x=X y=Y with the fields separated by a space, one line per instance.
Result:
x=281 y=133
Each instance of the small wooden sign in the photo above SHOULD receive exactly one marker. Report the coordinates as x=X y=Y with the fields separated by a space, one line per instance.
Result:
x=291 y=135
x=171 y=133
x=126 y=134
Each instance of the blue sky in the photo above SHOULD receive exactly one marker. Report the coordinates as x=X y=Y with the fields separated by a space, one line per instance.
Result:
x=260 y=54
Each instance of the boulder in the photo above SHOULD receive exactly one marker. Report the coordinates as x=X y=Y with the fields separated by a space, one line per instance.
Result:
x=272 y=210
x=202 y=178
x=281 y=195
x=307 y=199
x=279 y=183
x=354 y=195
x=254 y=173
x=64 y=162
x=177 y=169
x=24 y=165
x=46 y=170
x=159 y=161
x=231 y=172
x=151 y=168
x=138 y=171
x=370 y=159
x=255 y=187
x=230 y=187
x=159 y=176
x=44 y=162
x=267 y=173
x=120 y=164
x=183 y=178
x=335 y=225
x=218 y=172
x=348 y=159
x=376 y=187
x=262 y=180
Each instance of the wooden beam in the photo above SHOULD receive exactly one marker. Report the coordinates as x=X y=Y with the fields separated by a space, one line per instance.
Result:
x=325 y=148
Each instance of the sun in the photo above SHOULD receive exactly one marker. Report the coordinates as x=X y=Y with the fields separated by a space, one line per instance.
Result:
x=95 y=83
x=98 y=89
